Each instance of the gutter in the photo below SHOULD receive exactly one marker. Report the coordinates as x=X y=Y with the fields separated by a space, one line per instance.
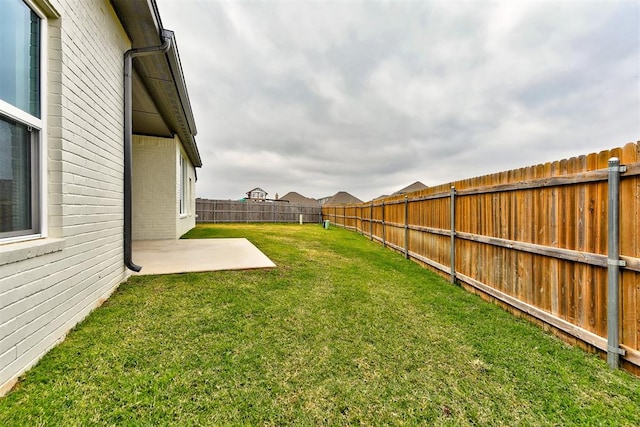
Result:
x=128 y=137
x=188 y=139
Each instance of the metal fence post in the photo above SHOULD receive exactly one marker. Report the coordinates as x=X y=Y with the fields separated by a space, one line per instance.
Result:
x=406 y=226
x=613 y=263
x=453 y=234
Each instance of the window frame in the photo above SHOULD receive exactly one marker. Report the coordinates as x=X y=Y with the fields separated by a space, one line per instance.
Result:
x=38 y=143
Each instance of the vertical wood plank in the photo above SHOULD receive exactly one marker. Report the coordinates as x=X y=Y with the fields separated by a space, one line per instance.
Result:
x=590 y=237
x=629 y=231
x=601 y=248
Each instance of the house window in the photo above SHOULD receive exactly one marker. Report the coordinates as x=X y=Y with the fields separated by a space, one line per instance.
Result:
x=20 y=122
x=183 y=186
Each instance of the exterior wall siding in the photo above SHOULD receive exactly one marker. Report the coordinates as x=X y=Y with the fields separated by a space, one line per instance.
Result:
x=154 y=180
x=187 y=220
x=48 y=285
x=156 y=189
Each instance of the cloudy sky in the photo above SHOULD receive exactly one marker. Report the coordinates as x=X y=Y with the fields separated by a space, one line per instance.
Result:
x=370 y=96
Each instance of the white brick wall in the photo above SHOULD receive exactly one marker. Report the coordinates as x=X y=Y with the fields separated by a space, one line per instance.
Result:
x=186 y=221
x=42 y=297
x=154 y=178
x=156 y=189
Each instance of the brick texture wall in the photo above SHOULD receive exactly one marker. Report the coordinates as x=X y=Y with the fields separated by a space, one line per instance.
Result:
x=187 y=220
x=49 y=285
x=154 y=183
x=156 y=189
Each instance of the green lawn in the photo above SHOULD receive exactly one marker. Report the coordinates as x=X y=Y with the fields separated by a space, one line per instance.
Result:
x=341 y=332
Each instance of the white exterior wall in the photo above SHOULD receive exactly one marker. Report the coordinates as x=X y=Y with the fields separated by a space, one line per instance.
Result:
x=48 y=285
x=153 y=184
x=187 y=220
x=156 y=189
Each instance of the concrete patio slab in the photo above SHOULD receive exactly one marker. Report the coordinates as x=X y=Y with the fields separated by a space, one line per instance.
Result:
x=191 y=255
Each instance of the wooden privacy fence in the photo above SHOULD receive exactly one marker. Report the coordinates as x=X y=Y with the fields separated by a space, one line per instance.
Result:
x=218 y=211
x=533 y=239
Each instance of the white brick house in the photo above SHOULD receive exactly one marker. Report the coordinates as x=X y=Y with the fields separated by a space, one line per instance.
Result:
x=72 y=193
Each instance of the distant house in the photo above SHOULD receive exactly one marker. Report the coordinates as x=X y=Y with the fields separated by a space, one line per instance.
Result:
x=97 y=148
x=342 y=198
x=257 y=194
x=323 y=200
x=297 y=198
x=416 y=186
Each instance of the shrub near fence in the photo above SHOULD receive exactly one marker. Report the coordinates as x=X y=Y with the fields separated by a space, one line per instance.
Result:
x=219 y=211
x=532 y=239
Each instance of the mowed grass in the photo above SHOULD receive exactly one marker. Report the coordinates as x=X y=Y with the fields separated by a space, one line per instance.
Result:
x=342 y=332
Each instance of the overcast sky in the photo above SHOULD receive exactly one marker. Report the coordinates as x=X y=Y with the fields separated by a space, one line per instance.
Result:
x=370 y=96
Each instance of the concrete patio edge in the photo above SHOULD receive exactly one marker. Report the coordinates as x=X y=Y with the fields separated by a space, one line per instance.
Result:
x=197 y=255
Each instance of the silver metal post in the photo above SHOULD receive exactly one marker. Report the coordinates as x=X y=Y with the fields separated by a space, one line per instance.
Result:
x=614 y=263
x=453 y=234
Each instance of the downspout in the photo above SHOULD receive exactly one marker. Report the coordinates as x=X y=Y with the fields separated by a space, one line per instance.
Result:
x=128 y=137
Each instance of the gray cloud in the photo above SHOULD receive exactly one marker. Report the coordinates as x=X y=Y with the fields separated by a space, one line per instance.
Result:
x=367 y=97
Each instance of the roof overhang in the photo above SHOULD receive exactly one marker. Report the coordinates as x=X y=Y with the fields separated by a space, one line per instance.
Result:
x=161 y=104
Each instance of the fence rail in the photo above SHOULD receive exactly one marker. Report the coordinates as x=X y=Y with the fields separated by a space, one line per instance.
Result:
x=533 y=239
x=219 y=211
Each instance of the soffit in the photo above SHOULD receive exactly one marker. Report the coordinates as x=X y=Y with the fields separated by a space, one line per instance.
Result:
x=160 y=76
x=146 y=119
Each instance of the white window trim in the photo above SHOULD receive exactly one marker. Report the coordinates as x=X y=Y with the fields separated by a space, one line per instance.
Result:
x=40 y=124
x=15 y=113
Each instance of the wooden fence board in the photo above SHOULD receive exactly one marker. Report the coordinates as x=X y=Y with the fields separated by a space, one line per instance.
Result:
x=630 y=225
x=535 y=235
x=601 y=248
x=227 y=211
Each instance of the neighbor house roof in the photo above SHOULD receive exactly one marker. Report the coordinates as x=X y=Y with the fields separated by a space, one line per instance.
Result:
x=416 y=186
x=293 y=197
x=342 y=198
x=161 y=104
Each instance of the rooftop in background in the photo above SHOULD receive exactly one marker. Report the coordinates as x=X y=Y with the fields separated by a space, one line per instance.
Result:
x=293 y=197
x=342 y=198
x=416 y=186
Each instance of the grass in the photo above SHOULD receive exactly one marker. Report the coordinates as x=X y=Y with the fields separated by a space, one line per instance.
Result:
x=341 y=332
